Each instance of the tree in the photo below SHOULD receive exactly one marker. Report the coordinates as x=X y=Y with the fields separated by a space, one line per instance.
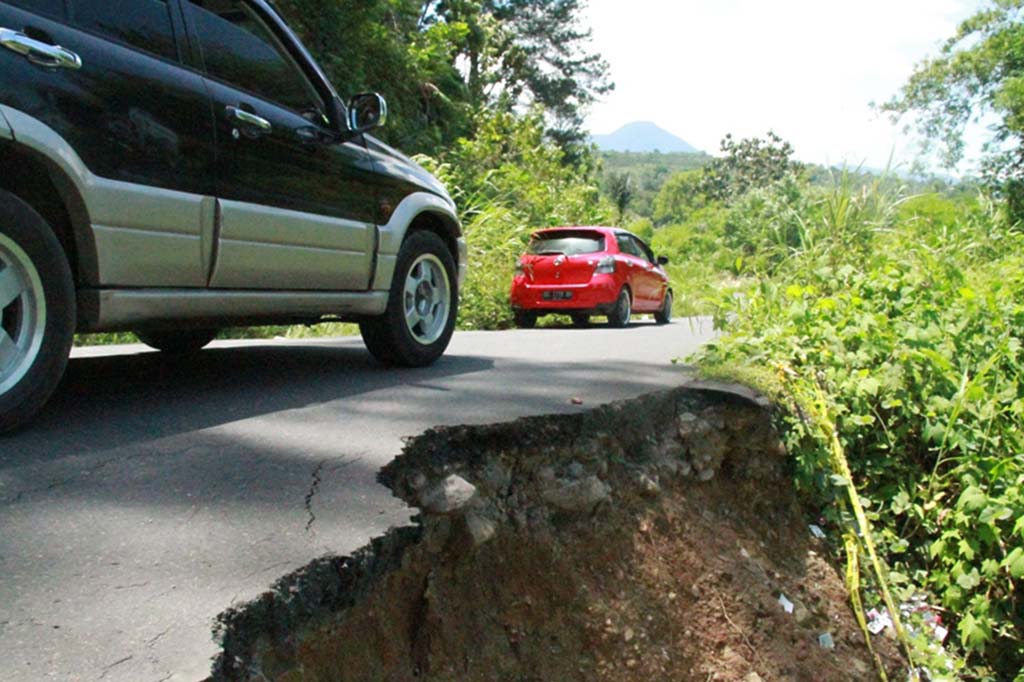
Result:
x=532 y=52
x=679 y=197
x=620 y=188
x=747 y=164
x=440 y=62
x=979 y=73
x=387 y=47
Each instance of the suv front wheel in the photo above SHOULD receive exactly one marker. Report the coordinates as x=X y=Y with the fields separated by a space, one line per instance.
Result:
x=420 y=318
x=37 y=311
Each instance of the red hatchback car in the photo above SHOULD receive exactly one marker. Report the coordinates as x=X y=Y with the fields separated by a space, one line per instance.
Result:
x=585 y=271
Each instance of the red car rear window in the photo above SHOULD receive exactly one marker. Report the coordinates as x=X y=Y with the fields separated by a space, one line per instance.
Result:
x=567 y=242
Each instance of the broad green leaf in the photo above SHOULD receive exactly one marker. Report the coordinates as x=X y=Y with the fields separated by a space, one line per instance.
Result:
x=1014 y=562
x=972 y=499
x=870 y=385
x=972 y=633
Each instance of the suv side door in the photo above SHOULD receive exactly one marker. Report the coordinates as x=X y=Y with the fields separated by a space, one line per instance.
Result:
x=138 y=120
x=297 y=203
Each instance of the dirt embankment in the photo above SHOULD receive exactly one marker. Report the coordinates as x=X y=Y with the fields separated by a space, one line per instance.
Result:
x=647 y=540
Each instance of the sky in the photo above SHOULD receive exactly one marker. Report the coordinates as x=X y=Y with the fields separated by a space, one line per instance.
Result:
x=807 y=69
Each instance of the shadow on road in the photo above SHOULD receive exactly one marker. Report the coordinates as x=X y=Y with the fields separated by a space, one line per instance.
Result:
x=115 y=400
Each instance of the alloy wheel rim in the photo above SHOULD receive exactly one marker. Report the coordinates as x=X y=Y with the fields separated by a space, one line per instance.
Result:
x=22 y=313
x=426 y=299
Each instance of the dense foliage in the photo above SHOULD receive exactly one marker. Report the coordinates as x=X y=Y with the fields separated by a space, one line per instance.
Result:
x=648 y=172
x=440 y=62
x=894 y=325
x=979 y=72
x=748 y=163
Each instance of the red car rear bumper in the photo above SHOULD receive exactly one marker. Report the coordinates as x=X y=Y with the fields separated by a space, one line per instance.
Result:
x=596 y=296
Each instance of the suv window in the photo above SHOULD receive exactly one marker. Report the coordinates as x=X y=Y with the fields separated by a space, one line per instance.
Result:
x=143 y=24
x=53 y=8
x=239 y=49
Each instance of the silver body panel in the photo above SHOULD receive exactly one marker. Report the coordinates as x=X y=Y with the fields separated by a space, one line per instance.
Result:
x=163 y=257
x=124 y=309
x=270 y=248
x=393 y=234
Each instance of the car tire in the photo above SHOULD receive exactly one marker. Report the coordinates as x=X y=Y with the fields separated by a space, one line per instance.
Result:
x=619 y=315
x=580 y=320
x=177 y=341
x=664 y=316
x=423 y=303
x=525 y=319
x=37 y=312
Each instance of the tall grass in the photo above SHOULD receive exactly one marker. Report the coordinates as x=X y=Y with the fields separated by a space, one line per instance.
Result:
x=910 y=331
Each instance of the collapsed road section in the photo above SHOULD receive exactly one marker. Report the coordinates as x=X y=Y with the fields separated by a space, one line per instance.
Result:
x=653 y=539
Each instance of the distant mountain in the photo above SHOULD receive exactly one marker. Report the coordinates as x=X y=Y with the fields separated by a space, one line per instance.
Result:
x=642 y=136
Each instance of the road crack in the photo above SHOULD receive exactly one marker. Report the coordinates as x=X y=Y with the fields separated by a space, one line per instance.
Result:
x=153 y=640
x=108 y=668
x=314 y=488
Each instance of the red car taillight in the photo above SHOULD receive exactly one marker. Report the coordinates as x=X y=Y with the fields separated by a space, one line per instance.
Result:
x=605 y=266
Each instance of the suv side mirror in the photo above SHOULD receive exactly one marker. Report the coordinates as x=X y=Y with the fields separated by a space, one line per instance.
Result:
x=662 y=260
x=366 y=111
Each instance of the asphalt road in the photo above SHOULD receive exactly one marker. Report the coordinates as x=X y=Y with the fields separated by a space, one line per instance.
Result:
x=152 y=493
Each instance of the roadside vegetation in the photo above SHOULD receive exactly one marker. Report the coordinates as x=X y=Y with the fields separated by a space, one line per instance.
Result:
x=887 y=324
x=889 y=327
x=884 y=316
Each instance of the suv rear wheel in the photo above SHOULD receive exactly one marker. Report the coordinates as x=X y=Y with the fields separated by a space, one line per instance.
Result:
x=176 y=340
x=420 y=318
x=37 y=311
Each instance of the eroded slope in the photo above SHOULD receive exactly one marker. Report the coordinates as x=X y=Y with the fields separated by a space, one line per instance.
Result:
x=645 y=540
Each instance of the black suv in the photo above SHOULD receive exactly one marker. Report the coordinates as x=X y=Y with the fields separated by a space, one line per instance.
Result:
x=170 y=167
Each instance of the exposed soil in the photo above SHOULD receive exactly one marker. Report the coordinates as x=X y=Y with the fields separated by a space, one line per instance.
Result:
x=588 y=551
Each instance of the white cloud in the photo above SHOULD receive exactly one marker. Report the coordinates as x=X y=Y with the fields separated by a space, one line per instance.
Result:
x=807 y=69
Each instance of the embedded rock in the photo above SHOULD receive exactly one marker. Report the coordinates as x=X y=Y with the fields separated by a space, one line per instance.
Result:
x=577 y=496
x=450 y=496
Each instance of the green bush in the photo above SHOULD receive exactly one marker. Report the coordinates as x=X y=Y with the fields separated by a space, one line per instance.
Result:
x=910 y=333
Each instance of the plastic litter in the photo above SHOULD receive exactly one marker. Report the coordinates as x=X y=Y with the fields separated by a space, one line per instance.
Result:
x=786 y=604
x=878 y=621
x=816 y=531
x=825 y=641
x=929 y=615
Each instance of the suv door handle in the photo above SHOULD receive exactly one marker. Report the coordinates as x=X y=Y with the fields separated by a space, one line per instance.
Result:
x=38 y=52
x=248 y=119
